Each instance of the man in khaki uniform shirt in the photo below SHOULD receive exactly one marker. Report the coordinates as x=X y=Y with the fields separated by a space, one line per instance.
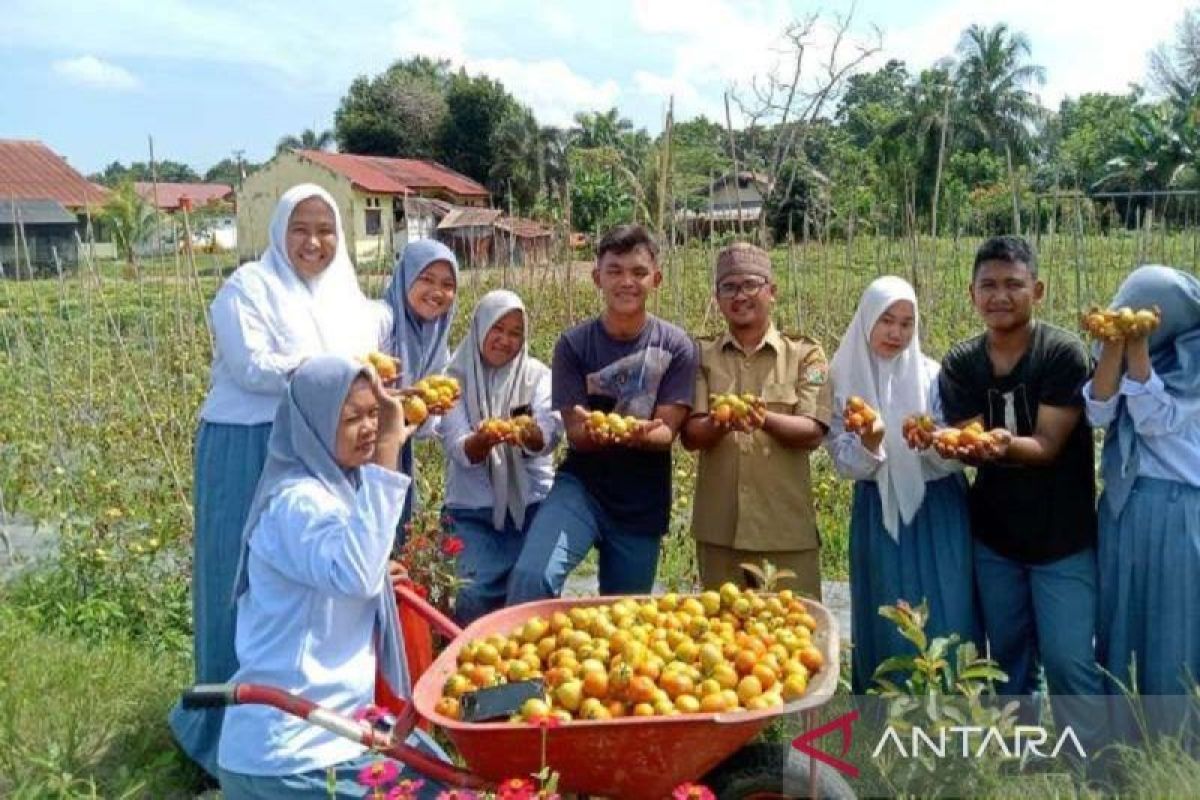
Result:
x=753 y=491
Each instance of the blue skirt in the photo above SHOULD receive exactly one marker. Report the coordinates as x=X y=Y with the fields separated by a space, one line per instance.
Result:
x=1149 y=603
x=932 y=561
x=229 y=460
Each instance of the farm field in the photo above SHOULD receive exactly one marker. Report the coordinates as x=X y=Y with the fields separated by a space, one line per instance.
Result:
x=101 y=376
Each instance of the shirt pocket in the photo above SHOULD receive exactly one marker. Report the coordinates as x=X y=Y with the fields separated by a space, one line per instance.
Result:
x=780 y=397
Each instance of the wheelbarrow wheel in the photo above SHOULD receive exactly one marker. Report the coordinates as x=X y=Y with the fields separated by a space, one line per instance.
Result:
x=774 y=770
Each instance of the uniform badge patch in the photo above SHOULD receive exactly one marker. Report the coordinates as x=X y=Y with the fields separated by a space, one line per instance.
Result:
x=815 y=375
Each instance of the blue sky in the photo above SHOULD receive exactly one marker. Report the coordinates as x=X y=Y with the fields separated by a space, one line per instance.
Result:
x=205 y=77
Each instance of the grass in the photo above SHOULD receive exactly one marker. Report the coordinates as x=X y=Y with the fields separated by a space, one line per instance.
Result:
x=101 y=377
x=84 y=720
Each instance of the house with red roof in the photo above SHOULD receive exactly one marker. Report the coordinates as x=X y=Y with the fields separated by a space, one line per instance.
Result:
x=171 y=197
x=44 y=203
x=384 y=202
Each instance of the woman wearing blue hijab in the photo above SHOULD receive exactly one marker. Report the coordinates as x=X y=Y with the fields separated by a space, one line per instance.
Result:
x=316 y=613
x=421 y=298
x=1146 y=391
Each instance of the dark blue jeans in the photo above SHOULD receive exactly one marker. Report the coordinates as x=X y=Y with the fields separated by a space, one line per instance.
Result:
x=1044 y=615
x=487 y=558
x=568 y=525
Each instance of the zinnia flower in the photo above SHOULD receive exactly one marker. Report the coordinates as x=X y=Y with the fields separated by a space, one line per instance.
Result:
x=405 y=790
x=378 y=774
x=692 y=791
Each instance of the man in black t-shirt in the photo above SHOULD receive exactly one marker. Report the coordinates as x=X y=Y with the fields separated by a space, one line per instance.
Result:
x=1033 y=499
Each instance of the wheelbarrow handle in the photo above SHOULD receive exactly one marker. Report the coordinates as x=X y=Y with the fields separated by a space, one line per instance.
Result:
x=407 y=595
x=212 y=695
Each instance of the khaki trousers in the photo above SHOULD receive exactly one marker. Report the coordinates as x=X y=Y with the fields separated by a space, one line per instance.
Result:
x=720 y=564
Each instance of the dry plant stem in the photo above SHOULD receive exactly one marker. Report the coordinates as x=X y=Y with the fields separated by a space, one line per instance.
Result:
x=168 y=459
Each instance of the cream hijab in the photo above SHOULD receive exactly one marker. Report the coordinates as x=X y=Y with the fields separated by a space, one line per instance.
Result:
x=896 y=387
x=327 y=314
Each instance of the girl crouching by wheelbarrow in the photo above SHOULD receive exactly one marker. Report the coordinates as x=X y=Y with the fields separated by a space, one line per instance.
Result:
x=316 y=612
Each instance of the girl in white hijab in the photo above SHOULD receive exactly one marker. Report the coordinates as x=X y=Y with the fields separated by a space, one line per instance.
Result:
x=299 y=300
x=910 y=535
x=493 y=487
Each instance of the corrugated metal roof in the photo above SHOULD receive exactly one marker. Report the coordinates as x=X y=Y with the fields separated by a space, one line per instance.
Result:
x=170 y=195
x=30 y=170
x=395 y=175
x=469 y=218
x=34 y=212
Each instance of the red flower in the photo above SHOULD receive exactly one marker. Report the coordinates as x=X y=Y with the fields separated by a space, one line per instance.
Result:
x=517 y=789
x=378 y=774
x=692 y=791
x=405 y=790
x=452 y=546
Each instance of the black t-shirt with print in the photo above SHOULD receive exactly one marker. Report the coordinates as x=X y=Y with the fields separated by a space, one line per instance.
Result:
x=1032 y=514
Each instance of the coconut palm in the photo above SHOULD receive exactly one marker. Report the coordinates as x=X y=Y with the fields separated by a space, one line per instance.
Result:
x=308 y=139
x=993 y=79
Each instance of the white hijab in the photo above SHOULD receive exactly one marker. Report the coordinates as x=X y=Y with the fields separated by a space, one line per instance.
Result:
x=896 y=387
x=328 y=314
x=491 y=392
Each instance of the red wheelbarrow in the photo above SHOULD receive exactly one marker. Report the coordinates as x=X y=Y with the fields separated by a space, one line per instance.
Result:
x=638 y=758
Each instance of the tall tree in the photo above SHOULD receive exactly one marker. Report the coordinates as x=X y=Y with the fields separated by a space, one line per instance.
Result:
x=230 y=172
x=396 y=113
x=515 y=170
x=308 y=139
x=1175 y=67
x=475 y=108
x=167 y=171
x=993 y=77
x=601 y=128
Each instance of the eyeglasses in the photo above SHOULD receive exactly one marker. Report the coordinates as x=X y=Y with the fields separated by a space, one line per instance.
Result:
x=731 y=289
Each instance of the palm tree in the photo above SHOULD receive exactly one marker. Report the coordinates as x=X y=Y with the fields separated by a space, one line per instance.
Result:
x=308 y=139
x=993 y=77
x=131 y=220
x=1155 y=153
x=601 y=129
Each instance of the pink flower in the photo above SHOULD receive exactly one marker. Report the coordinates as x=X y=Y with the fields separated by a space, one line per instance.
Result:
x=378 y=774
x=453 y=545
x=517 y=789
x=405 y=790
x=457 y=794
x=692 y=791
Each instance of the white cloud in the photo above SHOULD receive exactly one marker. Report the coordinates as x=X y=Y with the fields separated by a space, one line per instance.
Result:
x=721 y=44
x=91 y=71
x=551 y=88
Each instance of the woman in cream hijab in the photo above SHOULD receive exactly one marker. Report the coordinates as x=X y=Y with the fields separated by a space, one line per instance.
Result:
x=910 y=536
x=493 y=486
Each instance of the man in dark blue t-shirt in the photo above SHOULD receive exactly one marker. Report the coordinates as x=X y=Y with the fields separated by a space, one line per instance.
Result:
x=613 y=496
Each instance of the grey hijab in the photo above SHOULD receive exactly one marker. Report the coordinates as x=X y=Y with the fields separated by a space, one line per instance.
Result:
x=301 y=448
x=494 y=392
